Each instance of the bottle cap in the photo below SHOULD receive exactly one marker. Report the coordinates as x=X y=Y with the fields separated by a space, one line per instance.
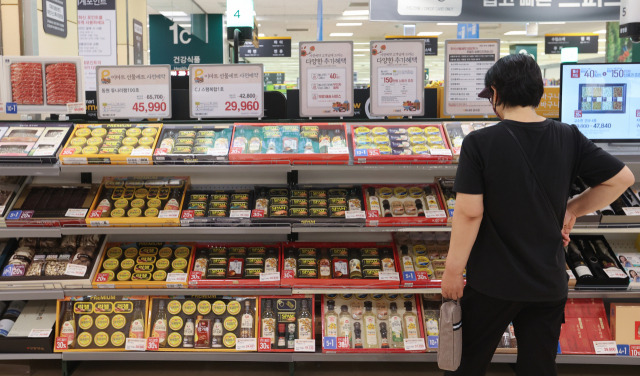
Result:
x=393 y=306
x=368 y=305
x=331 y=304
x=408 y=306
x=344 y=308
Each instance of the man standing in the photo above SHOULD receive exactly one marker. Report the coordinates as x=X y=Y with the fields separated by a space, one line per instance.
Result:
x=503 y=230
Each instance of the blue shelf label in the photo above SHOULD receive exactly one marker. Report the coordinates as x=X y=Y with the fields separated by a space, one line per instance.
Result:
x=330 y=343
x=623 y=350
x=432 y=342
x=361 y=153
x=11 y=108
x=15 y=214
x=559 y=350
x=409 y=276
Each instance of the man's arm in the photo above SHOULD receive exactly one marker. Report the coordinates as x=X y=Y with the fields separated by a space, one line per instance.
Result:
x=465 y=226
x=595 y=198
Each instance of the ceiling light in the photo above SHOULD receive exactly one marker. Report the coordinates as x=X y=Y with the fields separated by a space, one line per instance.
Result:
x=359 y=55
x=341 y=34
x=184 y=25
x=363 y=43
x=516 y=32
x=349 y=24
x=552 y=23
x=355 y=18
x=173 y=14
x=429 y=33
x=364 y=12
x=361 y=49
x=180 y=18
x=447 y=24
x=260 y=35
x=603 y=31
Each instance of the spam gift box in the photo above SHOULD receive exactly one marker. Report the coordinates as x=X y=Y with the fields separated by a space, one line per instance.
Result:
x=356 y=265
x=116 y=144
x=144 y=265
x=193 y=144
x=224 y=205
x=208 y=323
x=143 y=201
x=400 y=143
x=99 y=323
x=403 y=205
x=290 y=143
x=287 y=323
x=235 y=265
x=372 y=323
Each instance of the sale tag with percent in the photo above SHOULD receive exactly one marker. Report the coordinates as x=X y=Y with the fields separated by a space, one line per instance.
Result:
x=226 y=91
x=153 y=344
x=61 y=343
x=264 y=344
x=134 y=91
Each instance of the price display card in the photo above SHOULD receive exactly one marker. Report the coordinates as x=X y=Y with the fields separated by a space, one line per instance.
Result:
x=466 y=63
x=397 y=78
x=2 y=83
x=226 y=91
x=134 y=91
x=326 y=79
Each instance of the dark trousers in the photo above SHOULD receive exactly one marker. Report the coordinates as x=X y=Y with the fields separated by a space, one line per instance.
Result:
x=484 y=320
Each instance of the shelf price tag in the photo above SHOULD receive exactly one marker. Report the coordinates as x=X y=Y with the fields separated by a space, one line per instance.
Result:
x=343 y=343
x=76 y=108
x=605 y=347
x=634 y=350
x=195 y=275
x=269 y=277
x=102 y=277
x=304 y=345
x=264 y=344
x=61 y=343
x=240 y=214
x=414 y=344
x=355 y=214
x=445 y=152
x=226 y=91
x=338 y=150
x=435 y=214
x=169 y=214
x=39 y=333
x=75 y=270
x=153 y=344
x=176 y=277
x=133 y=91
x=136 y=344
x=631 y=211
x=76 y=213
x=615 y=273
x=389 y=276
x=246 y=344
x=257 y=213
x=329 y=343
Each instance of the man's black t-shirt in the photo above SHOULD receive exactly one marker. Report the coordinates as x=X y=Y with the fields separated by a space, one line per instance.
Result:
x=518 y=253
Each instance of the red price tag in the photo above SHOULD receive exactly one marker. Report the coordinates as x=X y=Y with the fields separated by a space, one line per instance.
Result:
x=68 y=151
x=26 y=214
x=373 y=152
x=61 y=343
x=422 y=276
x=196 y=276
x=242 y=106
x=188 y=214
x=372 y=214
x=634 y=350
x=235 y=150
x=95 y=214
x=149 y=107
x=264 y=344
x=153 y=344
x=102 y=277
x=257 y=214
x=161 y=151
x=288 y=274
x=343 y=343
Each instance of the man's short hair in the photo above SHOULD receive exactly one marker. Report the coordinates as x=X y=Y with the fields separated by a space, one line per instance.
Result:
x=517 y=80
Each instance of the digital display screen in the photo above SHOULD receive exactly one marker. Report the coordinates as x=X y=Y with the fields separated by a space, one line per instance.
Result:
x=602 y=100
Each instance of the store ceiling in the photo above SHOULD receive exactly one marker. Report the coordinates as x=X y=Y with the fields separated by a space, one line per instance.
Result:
x=298 y=20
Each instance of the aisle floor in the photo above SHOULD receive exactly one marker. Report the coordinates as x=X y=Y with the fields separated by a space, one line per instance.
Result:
x=52 y=368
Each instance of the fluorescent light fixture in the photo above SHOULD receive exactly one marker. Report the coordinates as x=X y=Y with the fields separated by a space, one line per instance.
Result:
x=260 y=35
x=429 y=33
x=363 y=12
x=361 y=49
x=603 y=31
x=362 y=43
x=173 y=14
x=516 y=32
x=602 y=40
x=180 y=18
x=552 y=23
x=447 y=24
x=349 y=24
x=184 y=25
x=341 y=34
x=359 y=55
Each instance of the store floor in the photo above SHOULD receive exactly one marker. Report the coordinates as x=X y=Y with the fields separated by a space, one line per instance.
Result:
x=52 y=368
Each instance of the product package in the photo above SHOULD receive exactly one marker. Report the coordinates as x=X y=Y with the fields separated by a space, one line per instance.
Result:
x=142 y=201
x=357 y=265
x=69 y=262
x=10 y=186
x=193 y=144
x=422 y=257
x=32 y=331
x=214 y=324
x=626 y=209
x=32 y=142
x=316 y=205
x=287 y=323
x=403 y=205
x=431 y=313
x=144 y=265
x=585 y=322
x=456 y=132
x=290 y=143
x=594 y=264
x=400 y=143
x=51 y=205
x=210 y=205
x=115 y=144
x=99 y=323
x=375 y=323
x=235 y=265
x=631 y=263
x=447 y=195
x=625 y=323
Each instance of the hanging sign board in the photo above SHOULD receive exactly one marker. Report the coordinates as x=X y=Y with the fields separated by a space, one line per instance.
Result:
x=267 y=47
x=226 y=91
x=134 y=91
x=271 y=78
x=586 y=43
x=54 y=17
x=466 y=63
x=326 y=79
x=430 y=43
x=138 y=55
x=397 y=78
x=97 y=39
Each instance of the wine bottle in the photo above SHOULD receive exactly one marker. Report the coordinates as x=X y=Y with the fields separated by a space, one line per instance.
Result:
x=591 y=259
x=577 y=262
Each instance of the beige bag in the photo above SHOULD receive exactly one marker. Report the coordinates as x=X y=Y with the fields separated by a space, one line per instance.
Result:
x=450 y=341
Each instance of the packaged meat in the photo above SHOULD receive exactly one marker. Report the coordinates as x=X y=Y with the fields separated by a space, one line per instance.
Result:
x=26 y=83
x=61 y=83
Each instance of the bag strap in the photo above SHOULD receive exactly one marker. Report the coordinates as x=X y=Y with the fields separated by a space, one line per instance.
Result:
x=549 y=205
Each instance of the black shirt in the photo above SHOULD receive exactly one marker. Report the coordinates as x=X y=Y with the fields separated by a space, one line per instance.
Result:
x=518 y=254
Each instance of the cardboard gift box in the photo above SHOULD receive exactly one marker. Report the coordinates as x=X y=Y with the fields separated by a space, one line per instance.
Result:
x=193 y=144
x=33 y=331
x=284 y=325
x=403 y=205
x=32 y=142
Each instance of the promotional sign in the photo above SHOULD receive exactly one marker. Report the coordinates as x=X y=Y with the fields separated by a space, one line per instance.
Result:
x=430 y=43
x=138 y=54
x=54 y=17
x=468 y=31
x=240 y=13
x=550 y=103
x=226 y=91
x=97 y=38
x=171 y=44
x=494 y=10
x=268 y=47
x=1 y=89
x=524 y=49
x=134 y=91
x=397 y=81
x=466 y=63
x=326 y=79
x=273 y=78
x=586 y=43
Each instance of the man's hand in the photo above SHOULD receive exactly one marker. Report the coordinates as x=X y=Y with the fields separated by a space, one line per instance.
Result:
x=452 y=285
x=567 y=226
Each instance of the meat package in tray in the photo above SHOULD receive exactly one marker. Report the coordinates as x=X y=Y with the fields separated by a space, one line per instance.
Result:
x=32 y=142
x=193 y=144
x=400 y=143
x=236 y=265
x=44 y=84
x=290 y=143
x=356 y=265
x=403 y=205
x=217 y=205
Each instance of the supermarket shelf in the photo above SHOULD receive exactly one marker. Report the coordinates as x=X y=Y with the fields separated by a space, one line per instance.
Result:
x=179 y=170
x=605 y=294
x=309 y=229
x=631 y=229
x=29 y=169
x=443 y=168
x=30 y=232
x=356 y=357
x=21 y=293
x=349 y=290
x=29 y=356
x=577 y=359
x=179 y=356
x=169 y=231
x=187 y=292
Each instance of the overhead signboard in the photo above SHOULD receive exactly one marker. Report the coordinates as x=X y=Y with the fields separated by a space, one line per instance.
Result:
x=268 y=47
x=54 y=17
x=397 y=78
x=273 y=78
x=97 y=38
x=586 y=43
x=466 y=64
x=468 y=31
x=430 y=43
x=524 y=49
x=138 y=54
x=494 y=10
x=240 y=13
x=326 y=79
